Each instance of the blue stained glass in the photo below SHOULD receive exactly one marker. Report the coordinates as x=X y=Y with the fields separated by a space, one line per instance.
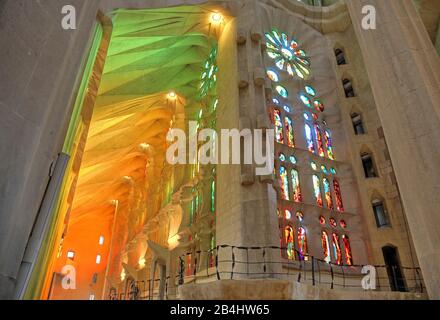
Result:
x=310 y=90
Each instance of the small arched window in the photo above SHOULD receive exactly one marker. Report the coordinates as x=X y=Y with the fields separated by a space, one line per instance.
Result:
x=348 y=88
x=380 y=213
x=368 y=164
x=340 y=57
x=358 y=124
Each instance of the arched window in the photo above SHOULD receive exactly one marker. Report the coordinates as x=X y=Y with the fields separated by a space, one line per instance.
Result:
x=289 y=132
x=394 y=269
x=289 y=241
x=319 y=142
x=297 y=197
x=340 y=57
x=338 y=195
x=380 y=213
x=309 y=138
x=329 y=144
x=336 y=249
x=348 y=88
x=368 y=164
x=287 y=214
x=358 y=125
x=327 y=193
x=278 y=126
x=317 y=190
x=302 y=243
x=325 y=247
x=284 y=183
x=347 y=249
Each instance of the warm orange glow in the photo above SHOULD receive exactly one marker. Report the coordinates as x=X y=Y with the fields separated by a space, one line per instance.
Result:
x=216 y=17
x=172 y=95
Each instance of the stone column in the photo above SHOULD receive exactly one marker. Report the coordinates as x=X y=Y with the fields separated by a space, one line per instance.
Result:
x=404 y=71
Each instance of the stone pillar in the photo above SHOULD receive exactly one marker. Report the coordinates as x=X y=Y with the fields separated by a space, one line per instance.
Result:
x=404 y=71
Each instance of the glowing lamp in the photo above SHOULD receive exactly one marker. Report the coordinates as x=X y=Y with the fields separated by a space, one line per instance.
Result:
x=172 y=95
x=216 y=17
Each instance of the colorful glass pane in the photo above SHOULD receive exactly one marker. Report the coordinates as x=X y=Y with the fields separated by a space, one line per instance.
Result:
x=324 y=169
x=325 y=247
x=338 y=196
x=309 y=138
x=302 y=243
x=276 y=101
x=209 y=73
x=332 y=222
x=292 y=160
x=282 y=157
x=306 y=116
x=328 y=142
x=305 y=100
x=347 y=248
x=289 y=132
x=333 y=170
x=319 y=142
x=310 y=90
x=313 y=165
x=317 y=190
x=289 y=241
x=297 y=197
x=287 y=214
x=213 y=196
x=343 y=224
x=318 y=105
x=299 y=216
x=278 y=126
x=282 y=91
x=336 y=249
x=284 y=183
x=286 y=54
x=272 y=75
x=328 y=194
x=287 y=108
x=322 y=220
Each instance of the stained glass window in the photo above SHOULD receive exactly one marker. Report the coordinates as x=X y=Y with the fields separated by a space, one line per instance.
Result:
x=282 y=157
x=276 y=101
x=292 y=160
x=284 y=184
x=317 y=190
x=282 y=91
x=272 y=75
x=343 y=224
x=286 y=54
x=213 y=196
x=324 y=169
x=287 y=214
x=347 y=249
x=289 y=132
x=305 y=100
x=332 y=222
x=287 y=109
x=310 y=91
x=209 y=73
x=336 y=249
x=319 y=106
x=309 y=138
x=333 y=170
x=306 y=116
x=325 y=247
x=289 y=240
x=322 y=220
x=319 y=140
x=338 y=196
x=302 y=243
x=328 y=142
x=300 y=216
x=313 y=165
x=297 y=197
x=328 y=194
x=278 y=126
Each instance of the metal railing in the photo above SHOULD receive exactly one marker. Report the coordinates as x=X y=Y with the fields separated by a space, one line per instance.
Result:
x=240 y=263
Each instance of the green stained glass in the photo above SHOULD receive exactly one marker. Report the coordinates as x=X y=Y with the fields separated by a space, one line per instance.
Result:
x=209 y=73
x=282 y=91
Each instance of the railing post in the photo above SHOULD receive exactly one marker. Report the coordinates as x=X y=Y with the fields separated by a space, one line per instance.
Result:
x=333 y=276
x=233 y=262
x=313 y=270
x=216 y=263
